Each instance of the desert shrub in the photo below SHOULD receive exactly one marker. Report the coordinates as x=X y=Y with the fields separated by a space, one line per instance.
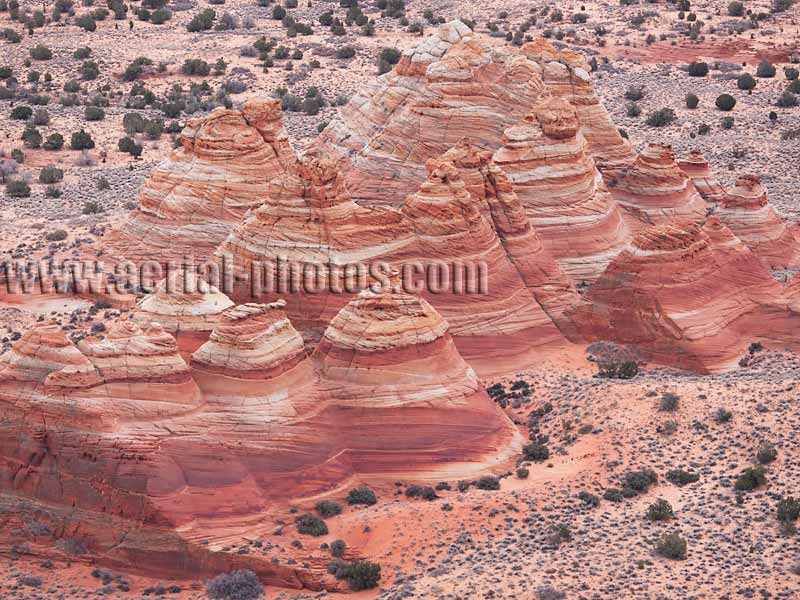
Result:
x=750 y=479
x=727 y=122
x=21 y=112
x=57 y=235
x=745 y=81
x=640 y=481
x=680 y=477
x=50 y=174
x=660 y=510
x=81 y=140
x=462 y=486
x=548 y=592
x=92 y=207
x=345 y=52
x=634 y=93
x=613 y=495
x=52 y=191
x=722 y=415
x=697 y=69
x=627 y=369
x=136 y=68
x=82 y=53
x=86 y=22
x=671 y=545
x=202 y=21
x=535 y=452
x=338 y=548
x=238 y=585
x=160 y=16
x=94 y=113
x=195 y=66
x=127 y=144
x=661 y=117
x=40 y=52
x=788 y=510
x=791 y=73
x=692 y=101
x=309 y=524
x=488 y=482
x=779 y=6
x=54 y=141
x=669 y=402
x=90 y=70
x=632 y=109
x=766 y=453
x=735 y=9
x=725 y=102
x=278 y=12
x=31 y=137
x=765 y=69
x=17 y=188
x=522 y=473
x=588 y=498
x=361 y=495
x=786 y=100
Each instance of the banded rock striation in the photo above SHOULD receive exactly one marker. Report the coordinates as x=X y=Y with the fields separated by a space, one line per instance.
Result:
x=547 y=162
x=747 y=212
x=692 y=297
x=696 y=167
x=195 y=197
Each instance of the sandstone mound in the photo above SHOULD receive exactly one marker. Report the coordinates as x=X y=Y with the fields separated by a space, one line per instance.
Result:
x=45 y=355
x=654 y=190
x=455 y=83
x=545 y=157
x=747 y=212
x=566 y=75
x=194 y=198
x=691 y=297
x=251 y=341
x=696 y=168
x=184 y=304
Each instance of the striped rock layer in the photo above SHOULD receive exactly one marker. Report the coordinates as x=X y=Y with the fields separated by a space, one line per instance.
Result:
x=696 y=168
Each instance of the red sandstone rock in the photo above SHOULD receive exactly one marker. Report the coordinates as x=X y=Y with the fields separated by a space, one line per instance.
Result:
x=194 y=198
x=654 y=191
x=748 y=213
x=696 y=167
x=545 y=157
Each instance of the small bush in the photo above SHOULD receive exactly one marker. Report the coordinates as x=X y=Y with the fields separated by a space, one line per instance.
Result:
x=766 y=453
x=17 y=188
x=536 y=452
x=722 y=415
x=735 y=9
x=345 y=52
x=727 y=122
x=613 y=495
x=627 y=369
x=669 y=402
x=522 y=473
x=328 y=508
x=337 y=548
x=680 y=477
x=94 y=113
x=57 y=235
x=746 y=82
x=692 y=101
x=21 y=112
x=750 y=479
x=50 y=174
x=660 y=510
x=725 y=102
x=672 y=546
x=195 y=66
x=640 y=481
x=361 y=495
x=488 y=482
x=81 y=140
x=698 y=69
x=588 y=498
x=788 y=510
x=238 y=585
x=786 y=100
x=661 y=118
x=765 y=70
x=40 y=52
x=309 y=524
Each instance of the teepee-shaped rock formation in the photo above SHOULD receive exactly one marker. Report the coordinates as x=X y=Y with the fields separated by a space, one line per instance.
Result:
x=566 y=75
x=696 y=167
x=251 y=341
x=545 y=157
x=453 y=84
x=654 y=190
x=194 y=198
x=691 y=297
x=748 y=213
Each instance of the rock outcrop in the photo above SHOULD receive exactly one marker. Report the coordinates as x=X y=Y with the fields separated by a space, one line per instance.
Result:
x=696 y=168
x=691 y=297
x=655 y=191
x=566 y=75
x=747 y=212
x=546 y=159
x=193 y=199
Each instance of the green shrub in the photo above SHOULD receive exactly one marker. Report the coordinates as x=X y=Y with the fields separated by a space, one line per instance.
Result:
x=697 y=69
x=81 y=140
x=328 y=508
x=660 y=510
x=345 y=52
x=669 y=402
x=278 y=12
x=31 y=137
x=87 y=22
x=727 y=122
x=54 y=141
x=488 y=482
x=672 y=546
x=613 y=495
x=661 y=118
x=745 y=81
x=94 y=113
x=766 y=453
x=639 y=481
x=21 y=112
x=362 y=575
x=309 y=524
x=160 y=16
x=40 y=52
x=522 y=473
x=17 y=188
x=627 y=369
x=361 y=495
x=195 y=66
x=90 y=70
x=238 y=585
x=750 y=479
x=725 y=102
x=202 y=21
x=791 y=73
x=338 y=548
x=680 y=477
x=50 y=174
x=786 y=100
x=82 y=53
x=536 y=452
x=692 y=101
x=92 y=208
x=765 y=69
x=735 y=9
x=788 y=510
x=57 y=235
x=722 y=415
x=588 y=498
